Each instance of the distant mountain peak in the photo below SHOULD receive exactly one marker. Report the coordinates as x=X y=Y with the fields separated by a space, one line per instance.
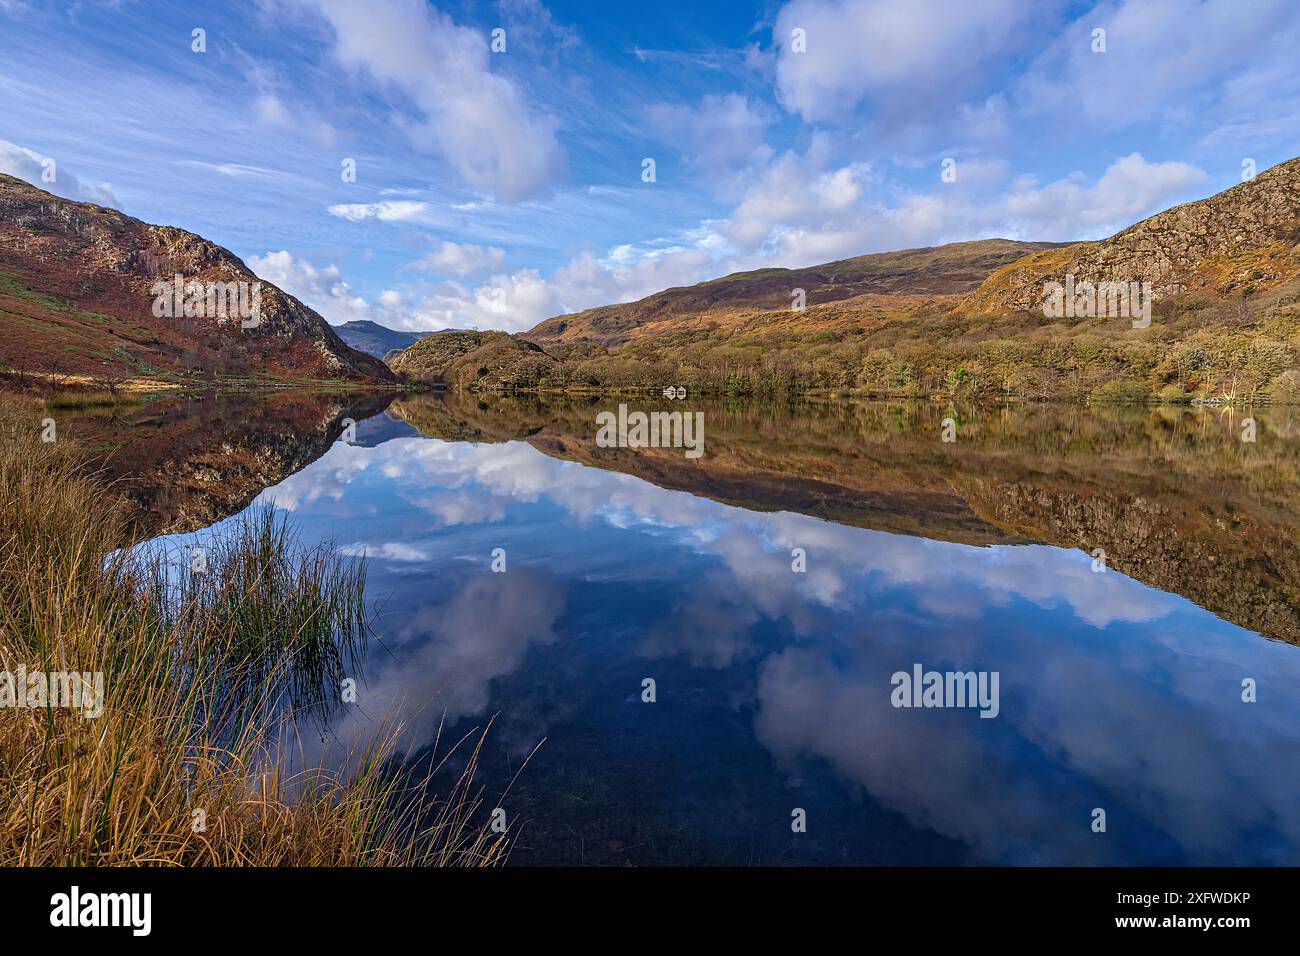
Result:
x=379 y=340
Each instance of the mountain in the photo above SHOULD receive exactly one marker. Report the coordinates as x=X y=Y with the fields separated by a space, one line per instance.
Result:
x=1221 y=321
x=1243 y=240
x=87 y=290
x=888 y=282
x=378 y=340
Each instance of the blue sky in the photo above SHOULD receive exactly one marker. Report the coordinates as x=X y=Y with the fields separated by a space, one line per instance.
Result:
x=495 y=189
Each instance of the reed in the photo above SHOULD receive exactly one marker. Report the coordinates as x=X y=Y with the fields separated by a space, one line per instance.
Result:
x=205 y=676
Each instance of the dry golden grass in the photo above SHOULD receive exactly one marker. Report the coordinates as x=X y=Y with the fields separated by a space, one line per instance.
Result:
x=200 y=676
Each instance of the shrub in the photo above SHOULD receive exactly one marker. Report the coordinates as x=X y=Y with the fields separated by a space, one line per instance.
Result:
x=1119 y=391
x=1286 y=388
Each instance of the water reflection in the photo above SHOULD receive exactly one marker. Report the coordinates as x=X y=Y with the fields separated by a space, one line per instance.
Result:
x=185 y=461
x=773 y=687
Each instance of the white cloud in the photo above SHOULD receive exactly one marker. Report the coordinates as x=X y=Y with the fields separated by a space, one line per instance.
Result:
x=1129 y=187
x=719 y=135
x=796 y=194
x=460 y=259
x=907 y=56
x=322 y=289
x=384 y=551
x=392 y=210
x=517 y=301
x=1156 y=51
x=36 y=168
x=477 y=119
x=801 y=212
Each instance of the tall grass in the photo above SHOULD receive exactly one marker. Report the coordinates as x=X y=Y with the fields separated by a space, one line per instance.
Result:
x=204 y=673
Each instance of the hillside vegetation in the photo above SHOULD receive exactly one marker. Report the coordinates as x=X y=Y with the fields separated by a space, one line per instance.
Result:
x=883 y=283
x=966 y=320
x=475 y=360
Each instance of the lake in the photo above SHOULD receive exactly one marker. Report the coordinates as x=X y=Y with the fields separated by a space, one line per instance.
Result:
x=713 y=652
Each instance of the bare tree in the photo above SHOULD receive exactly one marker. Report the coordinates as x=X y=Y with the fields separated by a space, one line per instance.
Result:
x=111 y=378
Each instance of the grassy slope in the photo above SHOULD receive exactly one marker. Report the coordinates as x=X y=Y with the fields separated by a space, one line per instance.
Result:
x=895 y=281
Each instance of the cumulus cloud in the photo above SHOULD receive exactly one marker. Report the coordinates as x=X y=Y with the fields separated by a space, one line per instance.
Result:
x=479 y=120
x=1156 y=51
x=1129 y=187
x=794 y=196
x=46 y=173
x=460 y=259
x=322 y=289
x=906 y=56
x=517 y=301
x=801 y=210
x=384 y=551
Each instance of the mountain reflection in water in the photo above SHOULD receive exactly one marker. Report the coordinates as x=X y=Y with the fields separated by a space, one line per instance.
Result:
x=1119 y=690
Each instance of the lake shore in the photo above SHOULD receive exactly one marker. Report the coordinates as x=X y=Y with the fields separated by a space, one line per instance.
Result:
x=196 y=669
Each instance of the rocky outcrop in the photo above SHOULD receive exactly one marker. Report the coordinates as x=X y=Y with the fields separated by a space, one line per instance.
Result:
x=1246 y=238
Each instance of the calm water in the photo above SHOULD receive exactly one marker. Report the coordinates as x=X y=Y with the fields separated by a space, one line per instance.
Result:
x=1119 y=689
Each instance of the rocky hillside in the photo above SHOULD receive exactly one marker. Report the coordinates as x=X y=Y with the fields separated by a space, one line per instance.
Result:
x=79 y=295
x=1243 y=240
x=475 y=360
x=893 y=282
